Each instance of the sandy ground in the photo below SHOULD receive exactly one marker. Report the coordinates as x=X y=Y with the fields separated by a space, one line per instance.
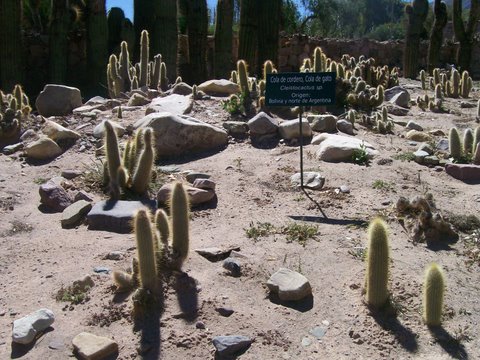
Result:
x=39 y=257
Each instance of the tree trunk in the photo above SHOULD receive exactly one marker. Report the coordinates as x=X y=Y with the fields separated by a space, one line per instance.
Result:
x=58 y=40
x=436 y=35
x=268 y=32
x=247 y=42
x=223 y=63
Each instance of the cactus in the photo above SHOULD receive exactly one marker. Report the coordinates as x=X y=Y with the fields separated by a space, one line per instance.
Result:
x=143 y=19
x=468 y=141
x=464 y=35
x=416 y=13
x=466 y=85
x=11 y=54
x=143 y=172
x=163 y=84
x=155 y=71
x=436 y=35
x=454 y=144
x=423 y=79
x=115 y=19
x=434 y=288
x=162 y=225
x=268 y=15
x=476 y=139
x=377 y=264
x=123 y=280
x=179 y=210
x=248 y=35
x=58 y=41
x=14 y=110
x=113 y=157
x=144 y=57
x=318 y=60
x=145 y=250
x=267 y=69
x=243 y=77
x=453 y=85
x=223 y=38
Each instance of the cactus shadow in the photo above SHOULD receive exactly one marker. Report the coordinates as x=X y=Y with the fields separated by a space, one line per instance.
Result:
x=304 y=305
x=265 y=142
x=404 y=336
x=20 y=350
x=329 y=221
x=449 y=344
x=148 y=324
x=187 y=296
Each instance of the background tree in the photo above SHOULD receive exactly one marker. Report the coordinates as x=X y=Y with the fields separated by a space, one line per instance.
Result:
x=223 y=39
x=464 y=34
x=436 y=35
x=164 y=38
x=248 y=35
x=416 y=13
x=268 y=32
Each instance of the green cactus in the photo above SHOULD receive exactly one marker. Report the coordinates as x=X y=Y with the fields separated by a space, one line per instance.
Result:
x=436 y=35
x=58 y=41
x=179 y=210
x=162 y=225
x=433 y=292
x=223 y=38
x=248 y=32
x=124 y=66
x=454 y=144
x=113 y=158
x=243 y=77
x=466 y=85
x=115 y=19
x=163 y=84
x=423 y=79
x=476 y=139
x=319 y=64
x=465 y=34
x=268 y=22
x=143 y=172
x=468 y=141
x=453 y=85
x=145 y=251
x=144 y=58
x=416 y=13
x=123 y=280
x=377 y=264
x=267 y=69
x=155 y=71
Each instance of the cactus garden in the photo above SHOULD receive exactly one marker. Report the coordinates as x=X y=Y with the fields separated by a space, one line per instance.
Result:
x=153 y=210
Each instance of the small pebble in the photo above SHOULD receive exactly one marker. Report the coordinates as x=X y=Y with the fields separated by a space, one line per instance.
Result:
x=233 y=266
x=101 y=270
x=200 y=325
x=345 y=189
x=224 y=311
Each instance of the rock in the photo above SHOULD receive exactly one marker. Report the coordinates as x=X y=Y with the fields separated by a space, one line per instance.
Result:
x=401 y=99
x=290 y=129
x=418 y=136
x=464 y=172
x=193 y=175
x=344 y=189
x=205 y=184
x=29 y=135
x=289 y=285
x=174 y=104
x=196 y=196
x=318 y=331
x=219 y=87
x=74 y=213
x=26 y=329
x=345 y=127
x=91 y=347
x=311 y=180
x=138 y=100
x=54 y=196
x=87 y=110
x=236 y=128
x=114 y=255
x=83 y=284
x=390 y=93
x=337 y=148
x=99 y=130
x=101 y=270
x=43 y=149
x=229 y=345
x=233 y=265
x=426 y=147
x=262 y=124
x=175 y=135
x=98 y=100
x=83 y=195
x=323 y=123
x=10 y=149
x=419 y=156
x=57 y=132
x=443 y=145
x=397 y=110
x=215 y=253
x=58 y=100
x=436 y=132
x=431 y=160
x=224 y=311
x=182 y=89
x=412 y=125
x=467 y=105
x=71 y=174
x=115 y=216
x=200 y=325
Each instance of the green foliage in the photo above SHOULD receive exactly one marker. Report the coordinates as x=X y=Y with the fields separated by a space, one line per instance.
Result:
x=406 y=156
x=383 y=185
x=260 y=229
x=388 y=31
x=360 y=156
x=179 y=210
x=294 y=232
x=73 y=294
x=234 y=104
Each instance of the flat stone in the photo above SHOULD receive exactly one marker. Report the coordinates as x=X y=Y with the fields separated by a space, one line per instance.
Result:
x=412 y=125
x=345 y=127
x=467 y=105
x=71 y=174
x=323 y=123
x=174 y=104
x=262 y=124
x=391 y=92
x=431 y=160
x=215 y=253
x=101 y=270
x=289 y=285
x=58 y=100
x=138 y=100
x=224 y=311
x=10 y=149
x=42 y=149
x=116 y=216
x=74 y=213
x=463 y=172
x=54 y=196
x=196 y=196
x=193 y=175
x=437 y=132
x=419 y=156
x=219 y=87
x=232 y=265
x=397 y=111
x=418 y=136
x=443 y=145
x=99 y=130
x=83 y=195
x=91 y=347
x=318 y=331
x=27 y=328
x=401 y=99
x=230 y=345
x=344 y=189
x=57 y=132
x=290 y=129
x=182 y=89
x=205 y=184
x=338 y=148
x=236 y=128
x=98 y=100
x=311 y=180
x=426 y=147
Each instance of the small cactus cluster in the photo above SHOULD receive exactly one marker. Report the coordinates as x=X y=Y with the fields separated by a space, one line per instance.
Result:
x=366 y=69
x=162 y=243
x=377 y=276
x=122 y=77
x=465 y=151
x=364 y=96
x=14 y=108
x=132 y=171
x=435 y=104
x=453 y=84
x=378 y=121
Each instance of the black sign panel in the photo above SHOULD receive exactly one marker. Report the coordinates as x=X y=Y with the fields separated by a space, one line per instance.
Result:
x=300 y=89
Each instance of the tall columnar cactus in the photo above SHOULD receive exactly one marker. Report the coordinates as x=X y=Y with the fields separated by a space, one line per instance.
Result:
x=11 y=53
x=243 y=77
x=124 y=66
x=179 y=210
x=453 y=85
x=318 y=60
x=113 y=159
x=436 y=35
x=467 y=141
x=433 y=292
x=248 y=32
x=466 y=85
x=416 y=13
x=377 y=264
x=143 y=172
x=269 y=13
x=144 y=57
x=143 y=19
x=58 y=41
x=164 y=38
x=197 y=29
x=145 y=250
x=423 y=79
x=115 y=19
x=97 y=43
x=465 y=34
x=454 y=143
x=223 y=39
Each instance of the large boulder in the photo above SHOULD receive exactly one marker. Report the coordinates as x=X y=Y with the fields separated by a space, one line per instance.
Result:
x=262 y=124
x=58 y=100
x=57 y=132
x=338 y=148
x=174 y=103
x=219 y=87
x=99 y=130
x=42 y=149
x=290 y=129
x=323 y=123
x=176 y=135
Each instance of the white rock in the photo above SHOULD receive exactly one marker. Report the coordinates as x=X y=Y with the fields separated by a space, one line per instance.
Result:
x=196 y=196
x=311 y=180
x=323 y=123
x=26 y=329
x=58 y=100
x=43 y=149
x=337 y=148
x=262 y=124
x=289 y=285
x=174 y=104
x=57 y=132
x=290 y=129
x=99 y=130
x=345 y=127
x=92 y=347
x=219 y=86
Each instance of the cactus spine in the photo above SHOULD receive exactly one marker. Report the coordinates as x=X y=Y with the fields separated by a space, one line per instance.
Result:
x=377 y=264
x=179 y=210
x=145 y=251
x=243 y=77
x=416 y=13
x=223 y=38
x=466 y=85
x=11 y=54
x=463 y=34
x=433 y=291
x=454 y=143
x=436 y=35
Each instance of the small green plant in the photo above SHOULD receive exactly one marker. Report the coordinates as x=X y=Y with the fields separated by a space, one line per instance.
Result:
x=360 y=155
x=382 y=185
x=300 y=232
x=405 y=156
x=73 y=294
x=234 y=104
x=238 y=163
x=40 y=180
x=258 y=230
